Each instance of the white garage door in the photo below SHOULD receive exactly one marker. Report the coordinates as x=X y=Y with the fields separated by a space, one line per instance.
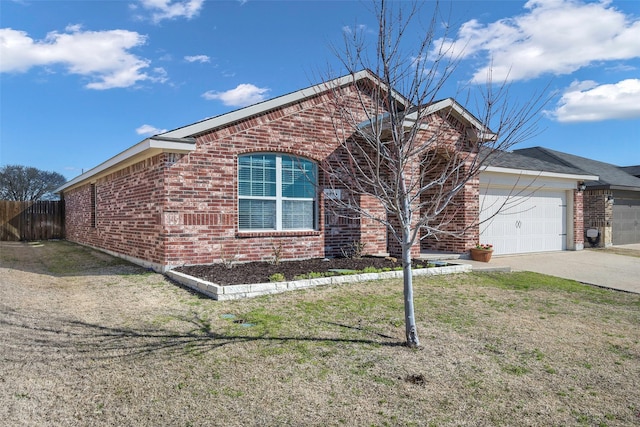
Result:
x=526 y=223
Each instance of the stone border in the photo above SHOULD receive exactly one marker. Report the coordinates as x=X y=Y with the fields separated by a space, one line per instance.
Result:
x=231 y=292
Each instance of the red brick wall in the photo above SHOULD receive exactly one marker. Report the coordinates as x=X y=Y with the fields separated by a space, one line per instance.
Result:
x=578 y=219
x=202 y=189
x=458 y=223
x=128 y=211
x=598 y=213
x=456 y=228
x=78 y=214
x=343 y=227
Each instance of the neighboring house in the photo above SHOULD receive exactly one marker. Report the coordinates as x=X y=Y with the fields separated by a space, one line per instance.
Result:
x=245 y=184
x=632 y=170
x=611 y=203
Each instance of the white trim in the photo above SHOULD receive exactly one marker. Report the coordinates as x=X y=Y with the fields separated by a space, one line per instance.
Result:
x=570 y=244
x=144 y=149
x=539 y=173
x=484 y=134
x=278 y=198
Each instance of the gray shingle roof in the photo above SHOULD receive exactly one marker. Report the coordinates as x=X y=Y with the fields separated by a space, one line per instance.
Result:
x=633 y=170
x=514 y=160
x=610 y=175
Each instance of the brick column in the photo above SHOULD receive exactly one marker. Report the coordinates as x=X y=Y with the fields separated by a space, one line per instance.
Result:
x=578 y=220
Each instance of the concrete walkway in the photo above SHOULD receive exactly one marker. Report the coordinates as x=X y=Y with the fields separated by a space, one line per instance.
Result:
x=595 y=267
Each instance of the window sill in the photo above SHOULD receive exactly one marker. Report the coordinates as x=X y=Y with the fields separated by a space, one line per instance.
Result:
x=291 y=233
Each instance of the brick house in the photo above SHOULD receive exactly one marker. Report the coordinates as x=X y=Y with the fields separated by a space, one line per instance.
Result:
x=246 y=183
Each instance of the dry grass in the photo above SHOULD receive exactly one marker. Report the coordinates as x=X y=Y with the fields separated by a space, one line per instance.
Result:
x=90 y=340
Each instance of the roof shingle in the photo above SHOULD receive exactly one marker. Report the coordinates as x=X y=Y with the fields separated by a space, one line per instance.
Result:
x=610 y=175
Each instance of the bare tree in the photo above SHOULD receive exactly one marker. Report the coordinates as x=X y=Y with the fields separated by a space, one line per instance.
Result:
x=24 y=183
x=399 y=140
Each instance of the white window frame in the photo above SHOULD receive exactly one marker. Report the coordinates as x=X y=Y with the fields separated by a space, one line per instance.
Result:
x=279 y=198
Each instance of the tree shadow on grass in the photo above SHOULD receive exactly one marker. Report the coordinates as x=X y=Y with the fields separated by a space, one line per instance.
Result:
x=67 y=338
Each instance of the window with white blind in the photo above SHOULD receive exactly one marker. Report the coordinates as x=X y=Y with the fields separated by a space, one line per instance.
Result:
x=276 y=192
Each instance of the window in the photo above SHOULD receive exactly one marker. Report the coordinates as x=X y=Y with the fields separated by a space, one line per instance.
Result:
x=93 y=201
x=276 y=192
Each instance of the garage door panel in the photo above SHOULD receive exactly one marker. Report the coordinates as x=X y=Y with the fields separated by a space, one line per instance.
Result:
x=626 y=223
x=532 y=223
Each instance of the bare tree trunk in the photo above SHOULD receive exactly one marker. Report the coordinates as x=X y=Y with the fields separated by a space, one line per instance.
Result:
x=409 y=313
x=411 y=329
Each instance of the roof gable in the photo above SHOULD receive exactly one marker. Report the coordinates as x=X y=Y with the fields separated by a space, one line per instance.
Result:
x=269 y=105
x=482 y=133
x=449 y=104
x=182 y=139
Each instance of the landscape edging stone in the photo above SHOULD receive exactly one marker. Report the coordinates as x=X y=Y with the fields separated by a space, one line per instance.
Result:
x=231 y=292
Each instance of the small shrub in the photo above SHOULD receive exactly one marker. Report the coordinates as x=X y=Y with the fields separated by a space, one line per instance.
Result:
x=276 y=253
x=354 y=250
x=313 y=275
x=277 y=277
x=228 y=260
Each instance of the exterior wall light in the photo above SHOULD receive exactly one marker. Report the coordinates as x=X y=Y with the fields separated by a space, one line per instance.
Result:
x=581 y=187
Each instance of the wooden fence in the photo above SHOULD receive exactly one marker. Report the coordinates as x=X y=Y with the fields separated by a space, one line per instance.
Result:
x=31 y=220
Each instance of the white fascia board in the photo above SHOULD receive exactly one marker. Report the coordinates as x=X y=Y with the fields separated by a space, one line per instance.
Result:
x=484 y=134
x=524 y=172
x=142 y=150
x=256 y=109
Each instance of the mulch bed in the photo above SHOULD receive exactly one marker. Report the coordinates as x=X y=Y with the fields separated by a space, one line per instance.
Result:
x=259 y=272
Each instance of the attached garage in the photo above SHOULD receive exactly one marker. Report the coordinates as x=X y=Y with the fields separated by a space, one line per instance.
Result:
x=526 y=223
x=524 y=211
x=611 y=206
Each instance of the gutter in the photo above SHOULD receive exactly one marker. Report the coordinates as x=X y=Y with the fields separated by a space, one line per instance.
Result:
x=143 y=150
x=612 y=187
x=539 y=173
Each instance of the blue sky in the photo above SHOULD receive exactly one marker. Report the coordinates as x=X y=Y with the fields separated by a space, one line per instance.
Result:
x=81 y=81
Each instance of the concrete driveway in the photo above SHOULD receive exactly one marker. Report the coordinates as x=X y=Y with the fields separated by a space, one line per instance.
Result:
x=595 y=267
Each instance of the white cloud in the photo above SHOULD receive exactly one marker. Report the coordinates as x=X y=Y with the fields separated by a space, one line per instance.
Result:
x=149 y=130
x=587 y=101
x=621 y=68
x=170 y=9
x=358 y=28
x=100 y=55
x=554 y=36
x=243 y=95
x=197 y=58
x=160 y=76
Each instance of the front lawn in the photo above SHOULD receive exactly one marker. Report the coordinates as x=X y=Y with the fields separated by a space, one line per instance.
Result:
x=108 y=347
